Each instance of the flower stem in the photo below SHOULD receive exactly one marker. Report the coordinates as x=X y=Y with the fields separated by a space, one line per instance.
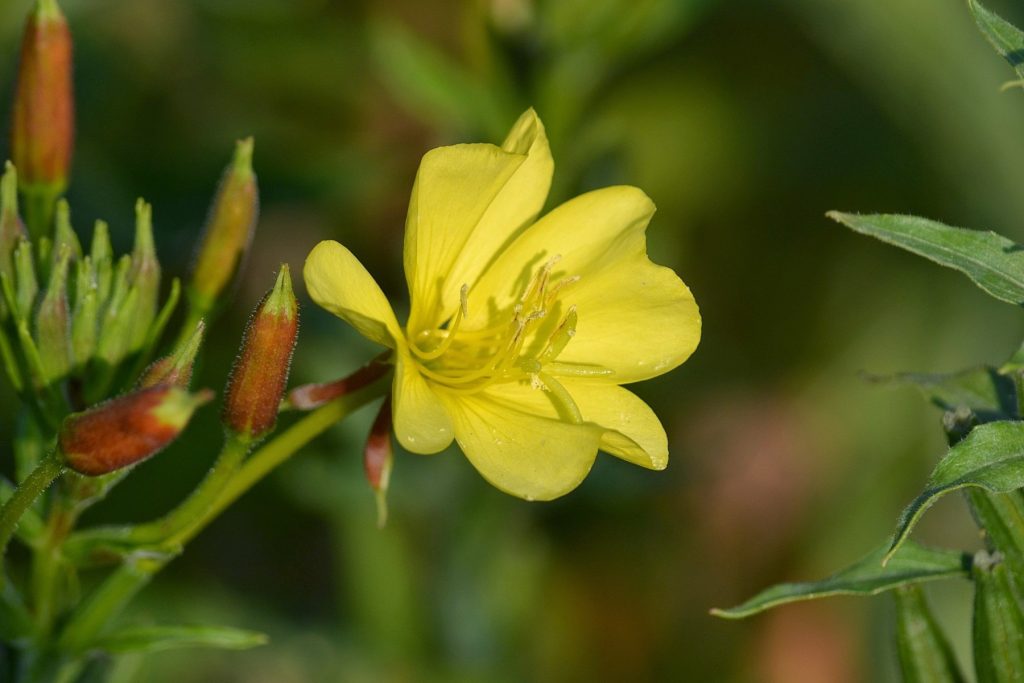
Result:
x=181 y=517
x=139 y=567
x=48 y=469
x=282 y=447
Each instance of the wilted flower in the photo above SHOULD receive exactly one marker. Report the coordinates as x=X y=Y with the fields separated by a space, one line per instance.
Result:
x=520 y=332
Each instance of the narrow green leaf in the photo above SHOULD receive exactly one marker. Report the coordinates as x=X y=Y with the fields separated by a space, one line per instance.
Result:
x=913 y=564
x=998 y=623
x=157 y=638
x=991 y=396
x=924 y=652
x=991 y=457
x=1007 y=39
x=993 y=262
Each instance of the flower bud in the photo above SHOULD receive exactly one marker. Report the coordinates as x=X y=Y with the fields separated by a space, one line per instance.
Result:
x=260 y=373
x=26 y=284
x=310 y=396
x=53 y=323
x=118 y=316
x=125 y=430
x=85 y=318
x=228 y=231
x=144 y=276
x=64 y=235
x=378 y=458
x=176 y=368
x=43 y=121
x=102 y=254
x=12 y=229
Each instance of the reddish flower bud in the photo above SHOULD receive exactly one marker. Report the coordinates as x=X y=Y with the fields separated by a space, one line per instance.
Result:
x=43 y=121
x=309 y=396
x=125 y=430
x=176 y=368
x=260 y=373
x=229 y=230
x=378 y=457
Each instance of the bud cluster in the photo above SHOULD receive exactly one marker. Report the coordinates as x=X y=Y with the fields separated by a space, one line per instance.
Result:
x=77 y=316
x=77 y=325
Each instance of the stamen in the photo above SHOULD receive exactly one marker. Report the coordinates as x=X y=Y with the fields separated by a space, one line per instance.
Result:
x=561 y=337
x=514 y=346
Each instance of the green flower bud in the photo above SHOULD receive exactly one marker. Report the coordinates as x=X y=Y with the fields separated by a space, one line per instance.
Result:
x=176 y=368
x=144 y=276
x=26 y=286
x=102 y=259
x=12 y=229
x=53 y=323
x=228 y=232
x=85 y=317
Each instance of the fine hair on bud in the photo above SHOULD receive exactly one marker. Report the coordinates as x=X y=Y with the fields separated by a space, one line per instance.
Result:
x=260 y=372
x=127 y=429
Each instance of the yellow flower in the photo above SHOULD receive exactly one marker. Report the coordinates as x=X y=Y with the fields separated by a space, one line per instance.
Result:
x=520 y=330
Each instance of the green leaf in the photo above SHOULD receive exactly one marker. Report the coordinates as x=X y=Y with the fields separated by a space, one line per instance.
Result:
x=990 y=457
x=1007 y=39
x=1001 y=518
x=991 y=396
x=993 y=262
x=913 y=564
x=157 y=638
x=924 y=651
x=998 y=623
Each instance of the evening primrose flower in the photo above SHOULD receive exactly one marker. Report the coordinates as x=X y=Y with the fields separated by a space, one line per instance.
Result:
x=521 y=330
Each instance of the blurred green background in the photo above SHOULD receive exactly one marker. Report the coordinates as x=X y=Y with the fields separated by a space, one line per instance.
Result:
x=745 y=120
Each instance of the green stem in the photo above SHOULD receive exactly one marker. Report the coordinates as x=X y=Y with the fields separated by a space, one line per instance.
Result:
x=199 y=501
x=34 y=485
x=264 y=460
x=82 y=544
x=46 y=565
x=109 y=599
x=121 y=586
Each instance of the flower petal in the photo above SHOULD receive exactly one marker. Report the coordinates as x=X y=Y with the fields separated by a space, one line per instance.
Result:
x=637 y=319
x=634 y=317
x=421 y=422
x=632 y=431
x=469 y=201
x=529 y=455
x=339 y=283
x=514 y=208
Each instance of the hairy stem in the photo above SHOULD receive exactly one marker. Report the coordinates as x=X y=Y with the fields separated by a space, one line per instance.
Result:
x=34 y=485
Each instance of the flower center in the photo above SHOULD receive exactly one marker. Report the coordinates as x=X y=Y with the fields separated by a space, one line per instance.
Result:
x=521 y=343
